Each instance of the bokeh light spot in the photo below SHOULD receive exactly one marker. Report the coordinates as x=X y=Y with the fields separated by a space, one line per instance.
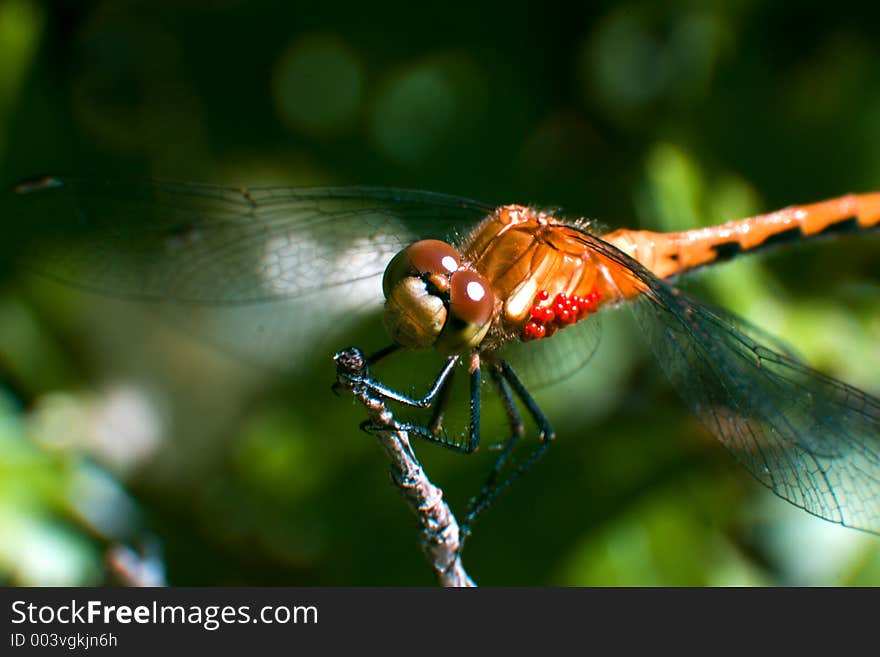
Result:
x=318 y=85
x=639 y=58
x=413 y=113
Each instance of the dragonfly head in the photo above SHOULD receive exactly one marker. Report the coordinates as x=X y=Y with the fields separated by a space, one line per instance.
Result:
x=434 y=300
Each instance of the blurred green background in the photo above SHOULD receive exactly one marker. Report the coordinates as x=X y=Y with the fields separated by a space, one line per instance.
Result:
x=116 y=429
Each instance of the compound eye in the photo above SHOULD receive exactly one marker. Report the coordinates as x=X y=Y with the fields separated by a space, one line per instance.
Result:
x=433 y=257
x=426 y=257
x=471 y=306
x=470 y=298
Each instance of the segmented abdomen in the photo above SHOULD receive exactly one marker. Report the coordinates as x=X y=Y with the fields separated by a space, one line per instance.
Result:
x=667 y=254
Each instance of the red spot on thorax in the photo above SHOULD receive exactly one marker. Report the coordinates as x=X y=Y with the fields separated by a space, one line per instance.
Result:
x=564 y=310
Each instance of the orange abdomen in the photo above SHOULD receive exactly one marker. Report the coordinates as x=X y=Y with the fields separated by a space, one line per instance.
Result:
x=668 y=254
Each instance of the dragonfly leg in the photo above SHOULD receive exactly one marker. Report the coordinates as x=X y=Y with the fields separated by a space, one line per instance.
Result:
x=353 y=362
x=509 y=385
x=433 y=432
x=517 y=427
x=354 y=367
x=435 y=424
x=546 y=434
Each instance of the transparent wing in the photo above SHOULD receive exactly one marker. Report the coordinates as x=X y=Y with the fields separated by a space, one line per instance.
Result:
x=270 y=275
x=812 y=440
x=539 y=363
x=214 y=245
x=755 y=332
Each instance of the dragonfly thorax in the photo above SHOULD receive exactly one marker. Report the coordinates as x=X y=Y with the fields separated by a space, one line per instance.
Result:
x=433 y=299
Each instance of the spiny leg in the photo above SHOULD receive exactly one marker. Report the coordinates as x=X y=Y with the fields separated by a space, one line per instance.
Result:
x=479 y=502
x=381 y=390
x=476 y=382
x=433 y=432
x=353 y=366
x=435 y=424
x=491 y=490
x=517 y=426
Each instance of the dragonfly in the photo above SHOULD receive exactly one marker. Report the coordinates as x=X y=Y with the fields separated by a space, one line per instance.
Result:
x=484 y=285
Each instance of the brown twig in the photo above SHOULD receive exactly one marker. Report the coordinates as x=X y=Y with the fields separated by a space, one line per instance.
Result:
x=440 y=534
